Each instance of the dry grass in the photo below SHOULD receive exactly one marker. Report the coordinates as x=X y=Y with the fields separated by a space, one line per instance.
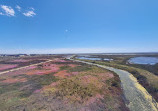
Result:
x=145 y=78
x=74 y=87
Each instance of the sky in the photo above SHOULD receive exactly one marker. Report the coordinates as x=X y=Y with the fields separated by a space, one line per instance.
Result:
x=78 y=26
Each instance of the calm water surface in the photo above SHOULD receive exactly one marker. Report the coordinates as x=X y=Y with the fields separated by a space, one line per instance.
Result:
x=93 y=58
x=144 y=60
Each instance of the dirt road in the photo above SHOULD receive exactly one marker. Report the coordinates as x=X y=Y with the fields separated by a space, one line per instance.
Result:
x=137 y=98
x=24 y=67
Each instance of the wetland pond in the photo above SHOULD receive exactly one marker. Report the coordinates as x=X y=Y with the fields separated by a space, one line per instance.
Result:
x=93 y=58
x=144 y=60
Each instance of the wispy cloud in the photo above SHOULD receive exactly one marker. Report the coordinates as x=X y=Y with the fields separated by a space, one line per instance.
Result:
x=18 y=8
x=7 y=10
x=1 y=13
x=30 y=13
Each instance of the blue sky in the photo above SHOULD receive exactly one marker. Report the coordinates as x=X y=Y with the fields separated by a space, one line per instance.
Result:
x=65 y=26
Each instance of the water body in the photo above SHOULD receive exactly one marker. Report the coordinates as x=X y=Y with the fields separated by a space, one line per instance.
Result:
x=88 y=58
x=106 y=59
x=93 y=58
x=144 y=60
x=137 y=97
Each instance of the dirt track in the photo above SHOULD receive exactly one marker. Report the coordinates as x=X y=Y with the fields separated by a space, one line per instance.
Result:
x=23 y=67
x=137 y=98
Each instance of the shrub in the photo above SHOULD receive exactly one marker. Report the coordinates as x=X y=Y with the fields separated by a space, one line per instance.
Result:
x=73 y=89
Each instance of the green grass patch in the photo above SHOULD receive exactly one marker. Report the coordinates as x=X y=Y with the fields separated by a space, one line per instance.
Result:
x=74 y=87
x=64 y=67
x=80 y=68
x=37 y=82
x=144 y=77
x=9 y=87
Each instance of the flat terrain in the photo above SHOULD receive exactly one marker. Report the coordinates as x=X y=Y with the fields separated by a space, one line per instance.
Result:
x=145 y=74
x=137 y=98
x=59 y=85
x=12 y=63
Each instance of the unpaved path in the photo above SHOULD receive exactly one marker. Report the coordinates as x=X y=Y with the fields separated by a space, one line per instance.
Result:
x=24 y=67
x=137 y=98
